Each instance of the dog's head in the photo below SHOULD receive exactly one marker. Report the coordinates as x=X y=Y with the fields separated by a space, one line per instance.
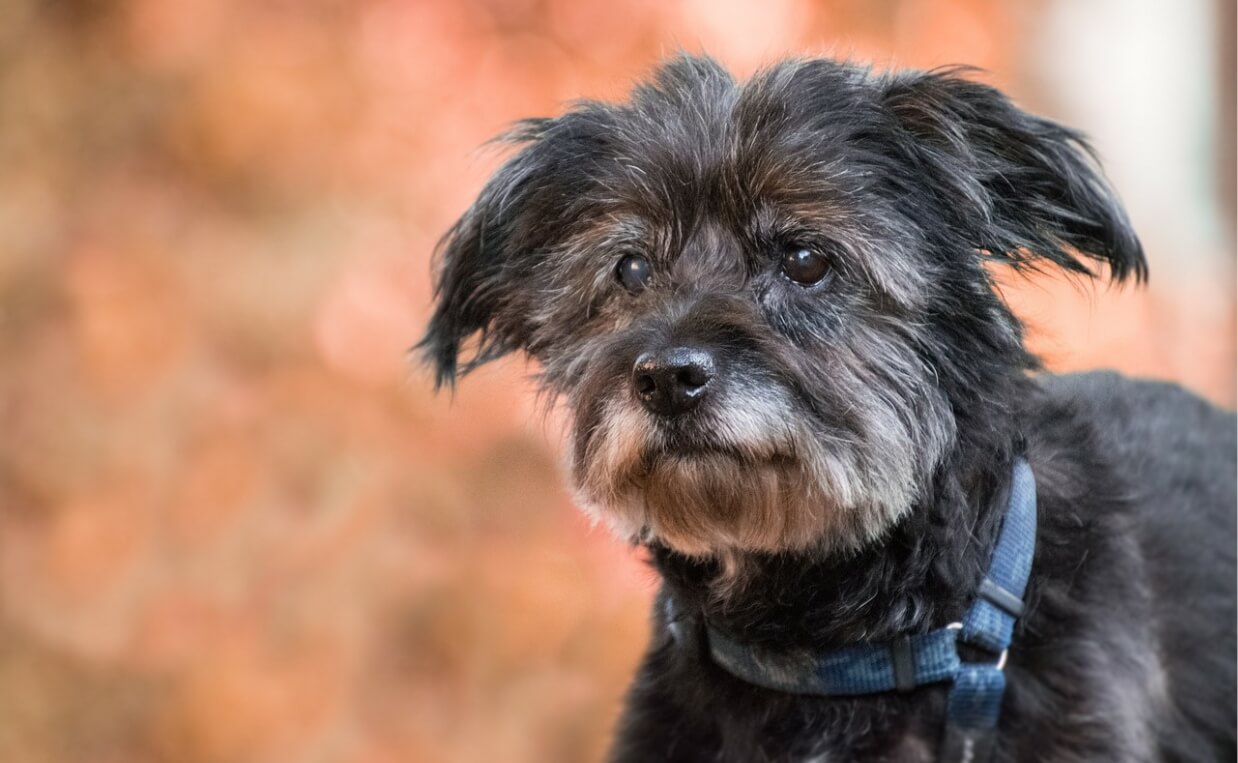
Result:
x=767 y=303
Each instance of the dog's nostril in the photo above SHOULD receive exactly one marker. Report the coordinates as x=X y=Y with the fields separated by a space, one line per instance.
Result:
x=693 y=377
x=645 y=384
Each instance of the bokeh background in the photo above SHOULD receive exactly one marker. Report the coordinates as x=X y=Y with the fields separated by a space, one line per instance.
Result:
x=235 y=522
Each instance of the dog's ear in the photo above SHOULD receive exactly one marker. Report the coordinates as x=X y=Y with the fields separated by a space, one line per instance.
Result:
x=1027 y=190
x=483 y=262
x=466 y=292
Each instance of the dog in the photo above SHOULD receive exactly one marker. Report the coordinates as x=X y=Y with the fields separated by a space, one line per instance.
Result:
x=770 y=310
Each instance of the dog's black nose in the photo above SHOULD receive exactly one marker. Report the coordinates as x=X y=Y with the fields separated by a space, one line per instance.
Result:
x=672 y=381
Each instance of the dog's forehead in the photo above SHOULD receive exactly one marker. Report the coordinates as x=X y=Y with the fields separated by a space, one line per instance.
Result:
x=684 y=199
x=709 y=178
x=789 y=130
x=706 y=171
x=681 y=174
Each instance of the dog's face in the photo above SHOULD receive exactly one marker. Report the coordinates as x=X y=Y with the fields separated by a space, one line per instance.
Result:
x=766 y=304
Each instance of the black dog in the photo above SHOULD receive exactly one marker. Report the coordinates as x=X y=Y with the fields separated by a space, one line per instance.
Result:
x=770 y=309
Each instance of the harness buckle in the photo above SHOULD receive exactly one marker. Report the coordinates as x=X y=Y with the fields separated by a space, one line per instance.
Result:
x=1001 y=658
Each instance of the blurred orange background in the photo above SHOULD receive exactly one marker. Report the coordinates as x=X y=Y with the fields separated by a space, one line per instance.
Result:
x=235 y=522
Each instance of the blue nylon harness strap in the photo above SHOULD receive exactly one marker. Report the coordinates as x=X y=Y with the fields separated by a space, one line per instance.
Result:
x=858 y=669
x=973 y=704
x=975 y=700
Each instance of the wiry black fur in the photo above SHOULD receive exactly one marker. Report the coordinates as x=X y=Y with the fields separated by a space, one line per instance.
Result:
x=912 y=182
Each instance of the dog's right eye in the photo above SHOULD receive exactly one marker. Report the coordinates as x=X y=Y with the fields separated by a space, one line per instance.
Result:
x=633 y=272
x=805 y=266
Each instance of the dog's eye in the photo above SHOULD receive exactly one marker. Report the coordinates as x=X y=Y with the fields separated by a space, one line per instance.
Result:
x=804 y=266
x=633 y=272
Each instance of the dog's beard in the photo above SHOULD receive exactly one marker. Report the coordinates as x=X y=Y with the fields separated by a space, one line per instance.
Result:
x=700 y=503
x=753 y=475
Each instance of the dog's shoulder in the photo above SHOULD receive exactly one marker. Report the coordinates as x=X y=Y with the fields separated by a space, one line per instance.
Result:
x=1143 y=423
x=1147 y=401
x=1169 y=446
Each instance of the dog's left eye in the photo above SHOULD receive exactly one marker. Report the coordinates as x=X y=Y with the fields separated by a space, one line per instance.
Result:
x=633 y=272
x=804 y=266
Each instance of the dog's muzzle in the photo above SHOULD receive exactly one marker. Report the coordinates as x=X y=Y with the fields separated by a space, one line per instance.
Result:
x=674 y=380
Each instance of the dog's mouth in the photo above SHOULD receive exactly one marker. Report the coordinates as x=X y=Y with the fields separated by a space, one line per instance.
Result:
x=687 y=449
x=729 y=477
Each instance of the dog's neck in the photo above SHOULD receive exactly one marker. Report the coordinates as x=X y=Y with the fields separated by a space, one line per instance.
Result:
x=921 y=574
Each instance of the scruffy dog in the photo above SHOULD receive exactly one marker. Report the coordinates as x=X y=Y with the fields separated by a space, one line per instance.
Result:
x=770 y=309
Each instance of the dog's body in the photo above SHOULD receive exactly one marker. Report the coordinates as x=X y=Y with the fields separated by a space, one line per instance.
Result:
x=791 y=377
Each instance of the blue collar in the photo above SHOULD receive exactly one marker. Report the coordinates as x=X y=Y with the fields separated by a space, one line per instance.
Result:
x=974 y=701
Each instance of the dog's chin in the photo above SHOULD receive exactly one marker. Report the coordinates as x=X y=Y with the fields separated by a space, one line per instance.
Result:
x=714 y=502
x=703 y=503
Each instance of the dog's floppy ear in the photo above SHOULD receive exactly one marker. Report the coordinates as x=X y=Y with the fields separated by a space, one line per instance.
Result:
x=466 y=292
x=1027 y=190
x=484 y=260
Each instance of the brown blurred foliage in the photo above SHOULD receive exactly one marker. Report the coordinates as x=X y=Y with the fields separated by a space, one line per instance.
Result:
x=235 y=522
